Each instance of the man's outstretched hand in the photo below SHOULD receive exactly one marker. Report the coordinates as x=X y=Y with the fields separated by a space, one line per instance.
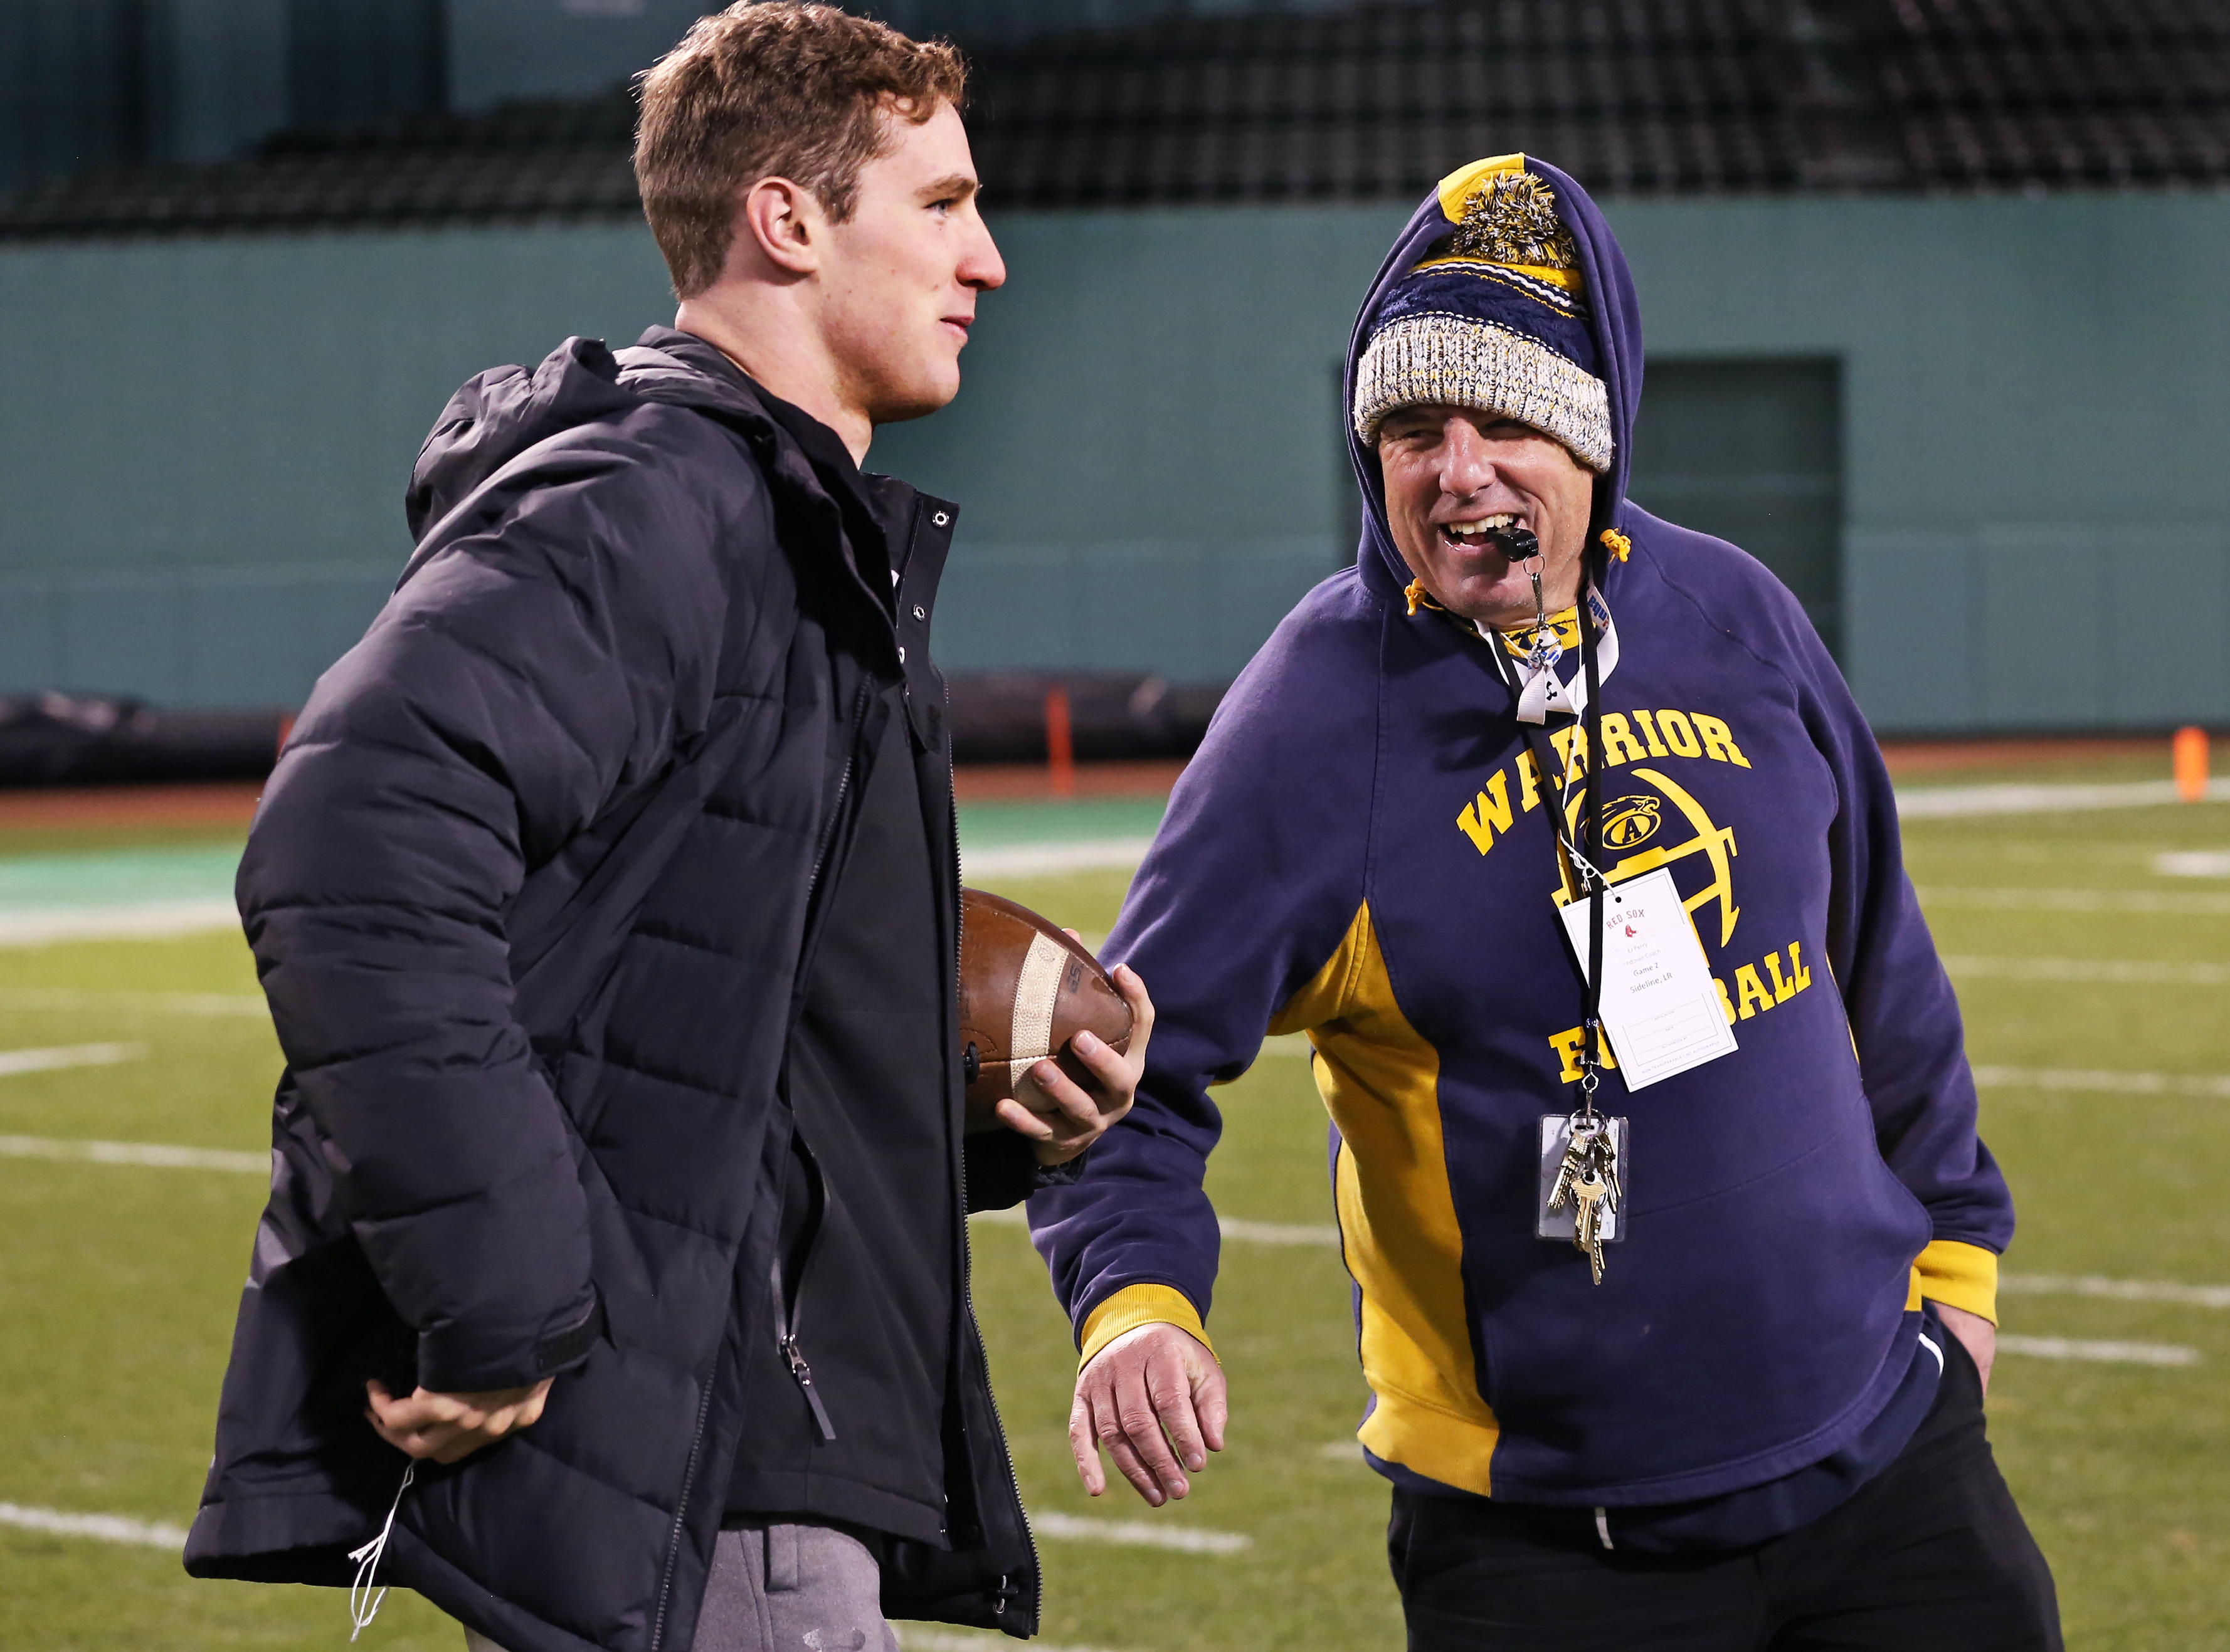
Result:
x=1154 y=1399
x=449 y=1428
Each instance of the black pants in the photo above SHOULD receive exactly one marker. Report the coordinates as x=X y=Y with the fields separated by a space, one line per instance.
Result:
x=1929 y=1556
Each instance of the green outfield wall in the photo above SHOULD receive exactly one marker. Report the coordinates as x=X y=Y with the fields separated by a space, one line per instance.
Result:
x=203 y=442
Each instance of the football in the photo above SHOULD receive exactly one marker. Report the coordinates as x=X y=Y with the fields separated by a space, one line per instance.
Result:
x=1026 y=990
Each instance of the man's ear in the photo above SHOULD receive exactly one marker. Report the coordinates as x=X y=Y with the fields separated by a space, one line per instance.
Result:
x=784 y=224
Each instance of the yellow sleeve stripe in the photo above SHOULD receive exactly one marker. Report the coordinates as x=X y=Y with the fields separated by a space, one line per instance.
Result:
x=1137 y=1305
x=1964 y=1276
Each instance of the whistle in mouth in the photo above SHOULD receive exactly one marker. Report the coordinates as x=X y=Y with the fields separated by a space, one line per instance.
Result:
x=1519 y=544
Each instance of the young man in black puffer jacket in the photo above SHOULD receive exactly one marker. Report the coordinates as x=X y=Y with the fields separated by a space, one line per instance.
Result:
x=607 y=900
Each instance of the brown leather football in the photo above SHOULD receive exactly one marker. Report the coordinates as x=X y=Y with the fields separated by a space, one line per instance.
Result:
x=1026 y=990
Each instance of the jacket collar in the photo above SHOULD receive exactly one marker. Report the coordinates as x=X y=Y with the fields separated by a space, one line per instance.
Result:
x=680 y=369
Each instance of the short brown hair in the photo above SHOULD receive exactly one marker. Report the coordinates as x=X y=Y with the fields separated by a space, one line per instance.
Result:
x=773 y=89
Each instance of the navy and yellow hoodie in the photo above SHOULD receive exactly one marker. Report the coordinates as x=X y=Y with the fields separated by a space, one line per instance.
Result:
x=1359 y=852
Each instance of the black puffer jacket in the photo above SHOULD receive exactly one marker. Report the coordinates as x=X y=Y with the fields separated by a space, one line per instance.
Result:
x=528 y=894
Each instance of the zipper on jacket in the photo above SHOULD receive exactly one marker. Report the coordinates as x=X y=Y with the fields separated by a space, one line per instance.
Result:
x=790 y=1305
x=1003 y=1592
x=829 y=832
x=834 y=825
x=785 y=1323
x=681 y=1508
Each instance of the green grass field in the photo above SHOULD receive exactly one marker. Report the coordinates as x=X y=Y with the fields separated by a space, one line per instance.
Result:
x=116 y=1283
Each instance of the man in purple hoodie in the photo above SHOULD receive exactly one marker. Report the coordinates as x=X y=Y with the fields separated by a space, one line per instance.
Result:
x=1676 y=1297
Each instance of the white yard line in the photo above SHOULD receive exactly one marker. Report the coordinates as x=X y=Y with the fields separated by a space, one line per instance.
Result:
x=2191 y=904
x=67 y=1055
x=2194 y=863
x=2213 y=1086
x=2126 y=1291
x=2117 y=1353
x=1038 y=859
x=1305 y=1233
x=248 y=1005
x=1939 y=801
x=925 y=1638
x=40 y=926
x=106 y=1528
x=1150 y=1534
x=152 y=1154
x=1323 y=1233
x=2113 y=972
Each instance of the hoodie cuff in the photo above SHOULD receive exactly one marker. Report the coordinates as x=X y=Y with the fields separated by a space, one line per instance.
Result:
x=460 y=1359
x=1137 y=1305
x=1960 y=1276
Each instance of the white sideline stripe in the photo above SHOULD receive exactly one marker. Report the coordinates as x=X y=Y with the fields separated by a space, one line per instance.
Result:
x=67 y=1055
x=1279 y=1232
x=2203 y=904
x=39 y=926
x=2117 y=1353
x=2117 y=971
x=135 y=1152
x=2214 y=1087
x=1244 y=1232
x=1921 y=802
x=2194 y=863
x=106 y=1528
x=919 y=1638
x=1081 y=855
x=250 y=1004
x=165 y=1157
x=1186 y=1539
x=2127 y=1290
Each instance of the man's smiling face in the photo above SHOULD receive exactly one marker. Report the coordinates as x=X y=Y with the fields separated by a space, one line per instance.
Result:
x=906 y=268
x=1453 y=476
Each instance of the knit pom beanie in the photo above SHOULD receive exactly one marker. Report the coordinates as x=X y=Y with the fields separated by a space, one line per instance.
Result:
x=1496 y=320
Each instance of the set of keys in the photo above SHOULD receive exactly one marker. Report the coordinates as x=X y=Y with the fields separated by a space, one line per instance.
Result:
x=1587 y=1179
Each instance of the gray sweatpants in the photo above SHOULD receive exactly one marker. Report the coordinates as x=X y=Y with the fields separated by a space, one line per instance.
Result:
x=785 y=1589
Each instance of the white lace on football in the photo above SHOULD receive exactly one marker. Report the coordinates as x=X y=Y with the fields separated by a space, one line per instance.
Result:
x=1037 y=989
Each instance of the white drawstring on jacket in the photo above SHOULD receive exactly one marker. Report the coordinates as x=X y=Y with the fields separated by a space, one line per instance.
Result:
x=364 y=1601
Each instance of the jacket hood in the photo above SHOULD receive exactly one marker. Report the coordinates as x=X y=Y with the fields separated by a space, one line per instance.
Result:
x=499 y=414
x=1613 y=316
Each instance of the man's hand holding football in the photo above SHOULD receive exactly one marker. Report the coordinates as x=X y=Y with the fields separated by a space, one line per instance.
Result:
x=1062 y=1117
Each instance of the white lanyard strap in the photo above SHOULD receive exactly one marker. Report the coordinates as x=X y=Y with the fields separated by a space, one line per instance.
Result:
x=1540 y=690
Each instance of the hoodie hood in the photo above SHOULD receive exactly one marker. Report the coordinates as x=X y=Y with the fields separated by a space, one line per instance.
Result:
x=1613 y=318
x=499 y=414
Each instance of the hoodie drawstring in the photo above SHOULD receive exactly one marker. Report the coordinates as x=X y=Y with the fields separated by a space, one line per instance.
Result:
x=364 y=1601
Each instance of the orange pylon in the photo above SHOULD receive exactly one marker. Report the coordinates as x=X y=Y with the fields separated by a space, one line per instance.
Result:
x=2190 y=757
x=1060 y=744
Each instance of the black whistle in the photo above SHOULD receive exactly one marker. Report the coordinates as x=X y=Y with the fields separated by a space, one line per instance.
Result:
x=1519 y=544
